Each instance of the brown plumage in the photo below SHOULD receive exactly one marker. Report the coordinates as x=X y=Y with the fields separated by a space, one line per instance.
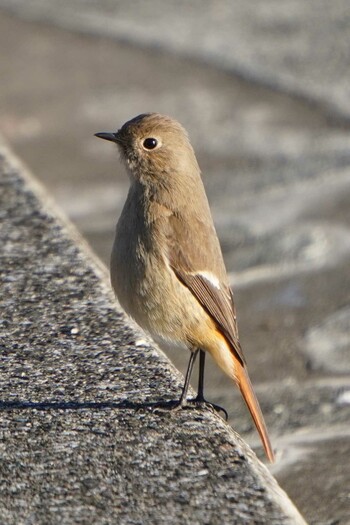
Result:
x=167 y=267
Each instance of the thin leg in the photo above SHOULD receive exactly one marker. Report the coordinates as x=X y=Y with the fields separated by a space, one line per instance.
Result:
x=200 y=393
x=161 y=407
x=183 y=398
x=199 y=400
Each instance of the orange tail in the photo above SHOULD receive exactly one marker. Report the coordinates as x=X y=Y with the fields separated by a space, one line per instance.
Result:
x=229 y=359
x=252 y=403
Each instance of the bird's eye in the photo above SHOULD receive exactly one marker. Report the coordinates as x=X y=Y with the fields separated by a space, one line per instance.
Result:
x=150 y=143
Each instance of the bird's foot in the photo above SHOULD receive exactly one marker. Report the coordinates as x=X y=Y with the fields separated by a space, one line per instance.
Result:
x=199 y=400
x=175 y=406
x=168 y=406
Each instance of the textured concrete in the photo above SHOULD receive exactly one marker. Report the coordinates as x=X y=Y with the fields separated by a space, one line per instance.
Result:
x=79 y=443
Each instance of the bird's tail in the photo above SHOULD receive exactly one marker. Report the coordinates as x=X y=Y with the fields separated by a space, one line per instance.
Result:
x=252 y=403
x=227 y=359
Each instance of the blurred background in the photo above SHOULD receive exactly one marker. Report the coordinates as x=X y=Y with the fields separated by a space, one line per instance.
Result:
x=263 y=90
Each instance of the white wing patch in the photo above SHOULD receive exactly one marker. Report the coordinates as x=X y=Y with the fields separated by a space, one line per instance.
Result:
x=209 y=277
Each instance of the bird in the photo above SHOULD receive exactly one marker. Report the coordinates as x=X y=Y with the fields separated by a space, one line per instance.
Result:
x=167 y=267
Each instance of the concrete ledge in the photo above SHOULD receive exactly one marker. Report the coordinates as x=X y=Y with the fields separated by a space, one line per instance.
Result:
x=78 y=441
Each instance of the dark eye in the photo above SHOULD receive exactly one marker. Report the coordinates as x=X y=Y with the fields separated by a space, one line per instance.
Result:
x=150 y=143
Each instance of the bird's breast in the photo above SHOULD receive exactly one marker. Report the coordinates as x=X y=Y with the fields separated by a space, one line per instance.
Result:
x=148 y=289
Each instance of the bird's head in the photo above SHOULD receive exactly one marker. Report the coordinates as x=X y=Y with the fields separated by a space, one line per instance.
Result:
x=155 y=149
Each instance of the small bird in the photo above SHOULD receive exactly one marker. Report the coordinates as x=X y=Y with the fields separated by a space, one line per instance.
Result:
x=167 y=268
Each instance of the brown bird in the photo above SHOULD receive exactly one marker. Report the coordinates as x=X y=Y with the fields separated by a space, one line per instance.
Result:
x=167 y=268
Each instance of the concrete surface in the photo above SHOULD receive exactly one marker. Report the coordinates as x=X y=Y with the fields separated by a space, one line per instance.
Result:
x=79 y=443
x=261 y=87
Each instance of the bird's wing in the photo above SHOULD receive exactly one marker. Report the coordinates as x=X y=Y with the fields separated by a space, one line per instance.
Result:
x=195 y=257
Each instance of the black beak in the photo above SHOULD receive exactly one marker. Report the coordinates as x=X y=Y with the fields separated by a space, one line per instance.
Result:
x=107 y=136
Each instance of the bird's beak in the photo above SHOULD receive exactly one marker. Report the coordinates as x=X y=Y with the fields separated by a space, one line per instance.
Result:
x=113 y=137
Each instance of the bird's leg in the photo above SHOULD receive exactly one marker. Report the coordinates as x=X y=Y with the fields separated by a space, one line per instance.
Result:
x=199 y=399
x=200 y=393
x=183 y=398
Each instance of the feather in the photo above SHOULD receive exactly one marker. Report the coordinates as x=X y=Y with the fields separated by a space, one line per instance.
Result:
x=195 y=257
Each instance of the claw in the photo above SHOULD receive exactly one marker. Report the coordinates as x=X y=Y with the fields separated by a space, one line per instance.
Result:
x=201 y=401
x=167 y=406
x=175 y=406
